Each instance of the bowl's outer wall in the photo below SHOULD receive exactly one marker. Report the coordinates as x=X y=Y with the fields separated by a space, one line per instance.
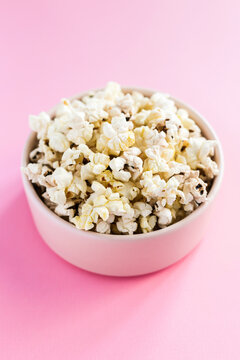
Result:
x=120 y=257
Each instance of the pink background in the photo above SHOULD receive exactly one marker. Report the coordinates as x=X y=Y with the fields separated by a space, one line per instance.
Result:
x=52 y=310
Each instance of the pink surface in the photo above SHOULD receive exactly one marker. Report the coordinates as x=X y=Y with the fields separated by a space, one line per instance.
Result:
x=52 y=310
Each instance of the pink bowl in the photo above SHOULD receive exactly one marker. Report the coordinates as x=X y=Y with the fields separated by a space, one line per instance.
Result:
x=123 y=255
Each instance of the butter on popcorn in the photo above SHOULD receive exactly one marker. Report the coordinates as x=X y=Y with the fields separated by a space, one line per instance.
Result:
x=122 y=163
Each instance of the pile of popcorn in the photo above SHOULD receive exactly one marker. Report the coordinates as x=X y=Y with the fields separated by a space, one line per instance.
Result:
x=120 y=163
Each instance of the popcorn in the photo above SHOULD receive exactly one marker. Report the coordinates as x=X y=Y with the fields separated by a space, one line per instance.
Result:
x=171 y=189
x=69 y=157
x=197 y=188
x=115 y=137
x=62 y=178
x=148 y=223
x=127 y=105
x=78 y=186
x=40 y=124
x=39 y=174
x=152 y=118
x=97 y=163
x=57 y=196
x=122 y=175
x=154 y=161
x=122 y=163
x=58 y=142
x=163 y=102
x=188 y=123
x=65 y=210
x=142 y=208
x=128 y=190
x=133 y=161
x=117 y=165
x=113 y=91
x=33 y=172
x=164 y=215
x=80 y=135
x=146 y=137
x=198 y=155
x=152 y=185
x=103 y=227
x=126 y=226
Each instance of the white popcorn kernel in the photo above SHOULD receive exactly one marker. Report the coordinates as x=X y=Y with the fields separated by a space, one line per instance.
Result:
x=108 y=130
x=171 y=190
x=78 y=186
x=146 y=137
x=120 y=124
x=142 y=209
x=197 y=188
x=80 y=135
x=188 y=207
x=154 y=162
x=164 y=215
x=152 y=118
x=40 y=124
x=83 y=222
x=113 y=91
x=59 y=142
x=128 y=190
x=122 y=175
x=103 y=227
x=86 y=172
x=69 y=157
x=100 y=200
x=114 y=111
x=133 y=151
x=98 y=169
x=34 y=169
x=117 y=164
x=36 y=173
x=116 y=136
x=126 y=226
x=111 y=219
x=115 y=207
x=147 y=223
x=62 y=177
x=57 y=196
x=127 y=105
x=65 y=210
x=102 y=211
x=99 y=159
x=153 y=186
x=133 y=161
x=163 y=102
x=98 y=188
x=188 y=123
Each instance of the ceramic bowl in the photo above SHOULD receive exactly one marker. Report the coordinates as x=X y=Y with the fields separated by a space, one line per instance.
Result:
x=124 y=255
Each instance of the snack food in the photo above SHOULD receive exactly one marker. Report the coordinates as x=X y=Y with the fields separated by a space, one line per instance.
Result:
x=120 y=163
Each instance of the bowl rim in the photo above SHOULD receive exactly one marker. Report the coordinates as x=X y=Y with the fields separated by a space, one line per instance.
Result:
x=29 y=188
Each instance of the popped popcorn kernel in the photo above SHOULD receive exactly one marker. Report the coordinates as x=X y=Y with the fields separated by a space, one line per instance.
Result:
x=59 y=142
x=118 y=162
x=40 y=124
x=147 y=223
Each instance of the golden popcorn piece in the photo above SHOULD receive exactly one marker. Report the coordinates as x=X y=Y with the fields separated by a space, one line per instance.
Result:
x=147 y=223
x=83 y=222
